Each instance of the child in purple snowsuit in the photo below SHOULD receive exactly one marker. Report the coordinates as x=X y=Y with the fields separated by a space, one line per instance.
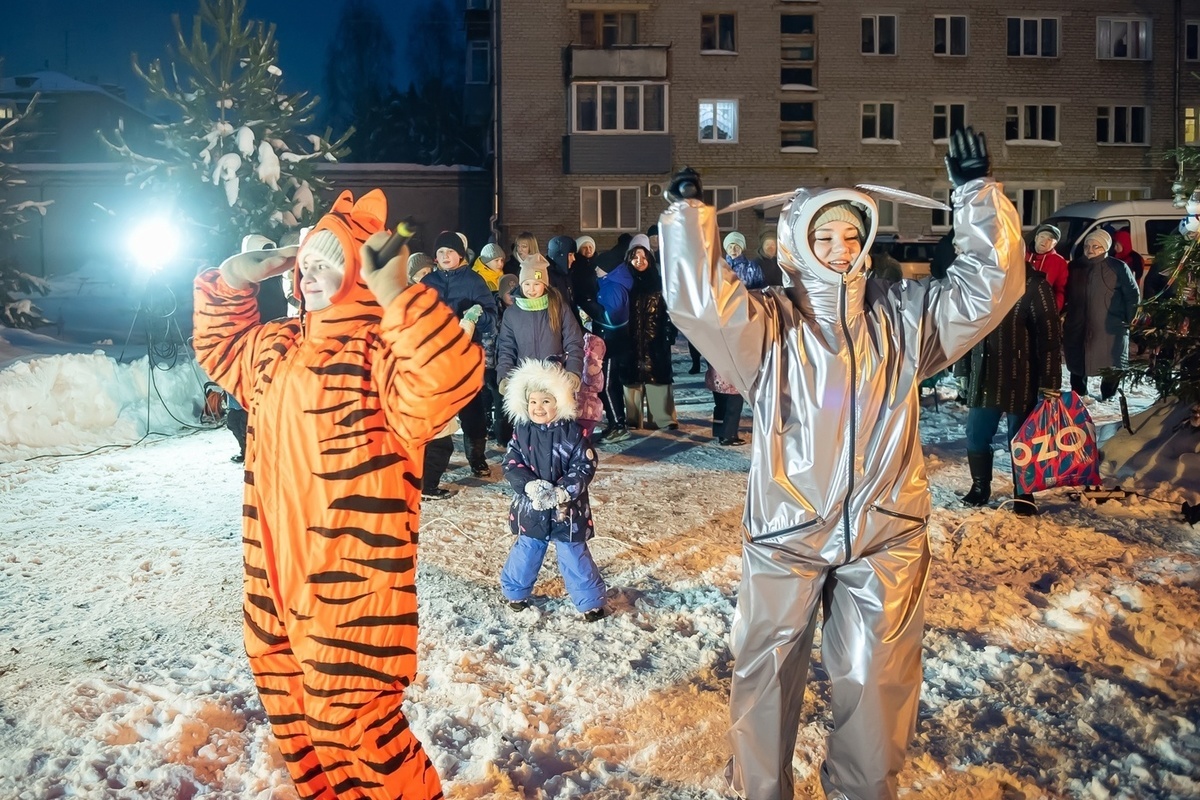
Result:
x=549 y=463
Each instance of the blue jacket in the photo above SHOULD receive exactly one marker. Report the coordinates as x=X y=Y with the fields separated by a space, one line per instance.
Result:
x=462 y=288
x=748 y=272
x=558 y=453
x=613 y=295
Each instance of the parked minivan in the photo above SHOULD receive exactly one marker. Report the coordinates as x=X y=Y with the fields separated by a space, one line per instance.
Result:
x=1146 y=220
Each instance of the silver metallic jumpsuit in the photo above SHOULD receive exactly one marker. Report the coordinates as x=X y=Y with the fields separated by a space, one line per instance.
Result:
x=838 y=498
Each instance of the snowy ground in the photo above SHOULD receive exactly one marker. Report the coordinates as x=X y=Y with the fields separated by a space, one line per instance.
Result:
x=1062 y=652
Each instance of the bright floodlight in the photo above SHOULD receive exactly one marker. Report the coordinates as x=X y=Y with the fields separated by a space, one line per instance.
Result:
x=153 y=243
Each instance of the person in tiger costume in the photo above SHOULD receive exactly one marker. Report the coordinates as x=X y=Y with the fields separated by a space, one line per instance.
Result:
x=342 y=401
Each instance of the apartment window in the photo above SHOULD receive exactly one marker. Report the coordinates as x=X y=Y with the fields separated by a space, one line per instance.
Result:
x=604 y=208
x=879 y=122
x=797 y=24
x=798 y=128
x=948 y=117
x=798 y=54
x=479 y=66
x=1031 y=123
x=718 y=120
x=940 y=220
x=719 y=197
x=7 y=111
x=717 y=33
x=619 y=108
x=1033 y=36
x=949 y=36
x=1111 y=193
x=879 y=35
x=1191 y=133
x=1122 y=125
x=607 y=28
x=887 y=215
x=1191 y=40
x=1033 y=205
x=1123 y=38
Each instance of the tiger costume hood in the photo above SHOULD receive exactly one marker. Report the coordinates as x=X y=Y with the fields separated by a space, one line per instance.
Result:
x=352 y=222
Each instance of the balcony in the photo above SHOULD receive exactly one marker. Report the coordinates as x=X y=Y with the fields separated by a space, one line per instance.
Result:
x=628 y=62
x=617 y=154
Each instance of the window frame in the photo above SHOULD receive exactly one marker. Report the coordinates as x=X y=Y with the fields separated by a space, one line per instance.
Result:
x=637 y=205
x=796 y=42
x=1112 y=126
x=715 y=102
x=798 y=127
x=620 y=129
x=1143 y=192
x=941 y=193
x=597 y=16
x=894 y=227
x=879 y=104
x=1038 y=140
x=1191 y=37
x=875 y=18
x=709 y=196
x=1016 y=192
x=472 y=47
x=948 y=19
x=716 y=17
x=1191 y=114
x=949 y=114
x=1041 y=36
x=1147 y=42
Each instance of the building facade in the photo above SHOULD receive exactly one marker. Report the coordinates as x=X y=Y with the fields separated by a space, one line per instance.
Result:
x=599 y=103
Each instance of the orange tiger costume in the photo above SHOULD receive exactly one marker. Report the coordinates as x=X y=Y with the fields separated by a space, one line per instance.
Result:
x=341 y=406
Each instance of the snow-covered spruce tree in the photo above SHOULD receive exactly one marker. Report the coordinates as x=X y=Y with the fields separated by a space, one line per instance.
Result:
x=1169 y=327
x=237 y=161
x=16 y=311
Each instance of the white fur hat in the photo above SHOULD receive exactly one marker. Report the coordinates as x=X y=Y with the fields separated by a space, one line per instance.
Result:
x=538 y=376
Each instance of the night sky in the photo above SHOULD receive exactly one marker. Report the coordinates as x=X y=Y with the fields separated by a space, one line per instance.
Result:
x=91 y=39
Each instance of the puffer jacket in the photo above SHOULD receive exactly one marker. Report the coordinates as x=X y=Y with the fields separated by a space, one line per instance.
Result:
x=592 y=383
x=651 y=333
x=527 y=334
x=832 y=364
x=462 y=288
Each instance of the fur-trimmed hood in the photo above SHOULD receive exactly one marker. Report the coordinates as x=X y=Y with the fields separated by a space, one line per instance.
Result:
x=538 y=376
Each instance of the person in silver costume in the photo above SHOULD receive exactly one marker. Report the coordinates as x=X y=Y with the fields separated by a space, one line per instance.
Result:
x=838 y=498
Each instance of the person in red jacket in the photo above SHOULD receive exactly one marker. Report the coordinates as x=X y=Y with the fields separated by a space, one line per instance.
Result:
x=1047 y=260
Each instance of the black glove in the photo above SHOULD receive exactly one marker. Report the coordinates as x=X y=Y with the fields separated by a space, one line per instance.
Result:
x=968 y=157
x=685 y=185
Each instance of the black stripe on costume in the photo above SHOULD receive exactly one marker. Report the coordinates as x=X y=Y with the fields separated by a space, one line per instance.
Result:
x=374 y=464
x=354 y=783
x=397 y=565
x=249 y=511
x=299 y=755
x=348 y=670
x=374 y=622
x=393 y=763
x=397 y=729
x=331 y=409
x=352 y=434
x=334 y=576
x=369 y=538
x=355 y=417
x=342 y=601
x=266 y=637
x=342 y=369
x=370 y=505
x=377 y=650
x=262 y=603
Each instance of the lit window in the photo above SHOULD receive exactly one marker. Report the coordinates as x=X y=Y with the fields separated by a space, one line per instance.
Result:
x=619 y=108
x=603 y=208
x=879 y=35
x=1031 y=123
x=1033 y=204
x=718 y=120
x=1191 y=133
x=719 y=197
x=1035 y=37
x=949 y=36
x=717 y=33
x=879 y=122
x=7 y=111
x=1111 y=193
x=1123 y=38
x=1122 y=125
x=947 y=118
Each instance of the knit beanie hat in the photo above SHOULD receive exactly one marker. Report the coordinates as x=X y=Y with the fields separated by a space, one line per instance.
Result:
x=508 y=282
x=841 y=212
x=325 y=245
x=768 y=235
x=535 y=267
x=490 y=252
x=582 y=240
x=452 y=241
x=652 y=230
x=418 y=262
x=1101 y=236
x=734 y=238
x=641 y=240
x=1046 y=227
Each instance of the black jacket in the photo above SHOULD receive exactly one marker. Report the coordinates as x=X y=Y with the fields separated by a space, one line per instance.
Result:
x=651 y=332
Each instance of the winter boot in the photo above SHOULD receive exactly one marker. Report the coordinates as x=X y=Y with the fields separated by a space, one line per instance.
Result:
x=1024 y=505
x=476 y=457
x=981 y=479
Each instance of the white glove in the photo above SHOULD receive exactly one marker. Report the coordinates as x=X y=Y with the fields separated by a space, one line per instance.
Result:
x=536 y=488
x=243 y=270
x=561 y=496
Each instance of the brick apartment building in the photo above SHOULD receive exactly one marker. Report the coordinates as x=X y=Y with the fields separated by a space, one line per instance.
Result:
x=600 y=102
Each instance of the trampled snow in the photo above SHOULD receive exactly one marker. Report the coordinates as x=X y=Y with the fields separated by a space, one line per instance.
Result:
x=1061 y=653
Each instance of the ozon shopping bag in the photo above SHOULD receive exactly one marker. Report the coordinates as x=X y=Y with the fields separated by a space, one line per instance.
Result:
x=1056 y=446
